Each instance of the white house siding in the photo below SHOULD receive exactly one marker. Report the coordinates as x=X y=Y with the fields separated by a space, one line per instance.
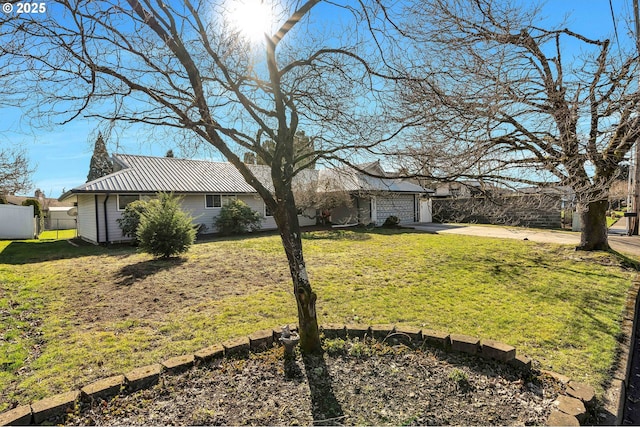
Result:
x=401 y=205
x=87 y=217
x=115 y=233
x=194 y=204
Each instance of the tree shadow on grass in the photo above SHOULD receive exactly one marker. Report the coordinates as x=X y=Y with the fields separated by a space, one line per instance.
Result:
x=36 y=251
x=132 y=273
x=325 y=408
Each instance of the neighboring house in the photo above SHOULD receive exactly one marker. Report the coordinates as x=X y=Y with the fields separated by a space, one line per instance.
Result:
x=457 y=189
x=61 y=218
x=374 y=199
x=206 y=186
x=45 y=202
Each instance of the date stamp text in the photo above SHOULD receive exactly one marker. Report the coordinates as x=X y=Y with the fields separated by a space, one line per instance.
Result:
x=20 y=8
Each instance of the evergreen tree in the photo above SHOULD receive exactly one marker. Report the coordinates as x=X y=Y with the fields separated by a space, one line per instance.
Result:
x=37 y=209
x=165 y=230
x=101 y=163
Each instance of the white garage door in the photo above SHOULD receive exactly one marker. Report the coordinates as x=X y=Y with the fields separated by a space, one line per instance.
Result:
x=400 y=205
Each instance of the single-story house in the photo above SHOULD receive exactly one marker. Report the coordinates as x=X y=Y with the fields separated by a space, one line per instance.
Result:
x=204 y=186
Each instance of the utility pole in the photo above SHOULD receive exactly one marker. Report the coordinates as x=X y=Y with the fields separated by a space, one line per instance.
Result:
x=633 y=221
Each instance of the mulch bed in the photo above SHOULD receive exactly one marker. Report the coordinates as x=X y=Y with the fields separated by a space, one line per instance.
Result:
x=355 y=382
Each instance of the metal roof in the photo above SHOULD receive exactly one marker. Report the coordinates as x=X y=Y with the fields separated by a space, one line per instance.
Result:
x=146 y=174
x=351 y=181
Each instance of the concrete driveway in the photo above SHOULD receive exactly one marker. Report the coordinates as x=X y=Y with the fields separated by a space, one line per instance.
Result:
x=618 y=240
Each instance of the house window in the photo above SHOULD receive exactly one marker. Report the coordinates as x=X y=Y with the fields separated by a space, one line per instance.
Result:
x=213 y=201
x=125 y=199
x=217 y=200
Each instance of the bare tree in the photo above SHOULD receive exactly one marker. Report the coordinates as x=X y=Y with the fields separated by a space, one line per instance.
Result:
x=507 y=101
x=15 y=172
x=181 y=65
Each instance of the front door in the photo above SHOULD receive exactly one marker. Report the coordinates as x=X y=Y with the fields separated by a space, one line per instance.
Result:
x=425 y=210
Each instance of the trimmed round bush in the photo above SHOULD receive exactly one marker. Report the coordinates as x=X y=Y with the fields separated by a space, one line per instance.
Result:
x=130 y=219
x=392 y=221
x=236 y=217
x=165 y=230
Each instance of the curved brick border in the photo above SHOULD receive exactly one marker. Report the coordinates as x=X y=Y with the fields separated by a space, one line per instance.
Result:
x=569 y=409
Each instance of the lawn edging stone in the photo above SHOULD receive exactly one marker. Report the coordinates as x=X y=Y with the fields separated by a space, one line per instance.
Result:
x=358 y=331
x=333 y=330
x=178 y=364
x=261 y=340
x=569 y=408
x=437 y=338
x=18 y=416
x=143 y=377
x=382 y=332
x=237 y=346
x=104 y=388
x=54 y=406
x=496 y=350
x=465 y=343
x=210 y=353
x=411 y=333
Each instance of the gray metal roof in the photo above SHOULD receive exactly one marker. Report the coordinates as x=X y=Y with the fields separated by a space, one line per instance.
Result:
x=352 y=181
x=145 y=174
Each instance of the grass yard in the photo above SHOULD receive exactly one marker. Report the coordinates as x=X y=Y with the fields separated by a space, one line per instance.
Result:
x=70 y=315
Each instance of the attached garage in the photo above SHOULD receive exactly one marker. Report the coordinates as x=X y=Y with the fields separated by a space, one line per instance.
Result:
x=402 y=206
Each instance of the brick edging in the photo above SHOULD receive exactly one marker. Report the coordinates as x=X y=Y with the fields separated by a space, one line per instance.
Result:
x=616 y=393
x=569 y=409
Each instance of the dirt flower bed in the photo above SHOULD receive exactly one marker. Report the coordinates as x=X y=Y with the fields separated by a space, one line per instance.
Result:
x=355 y=382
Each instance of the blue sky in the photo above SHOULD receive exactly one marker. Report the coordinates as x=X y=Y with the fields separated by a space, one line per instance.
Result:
x=60 y=154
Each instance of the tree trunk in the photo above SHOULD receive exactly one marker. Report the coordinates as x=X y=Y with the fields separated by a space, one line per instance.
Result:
x=594 y=227
x=286 y=216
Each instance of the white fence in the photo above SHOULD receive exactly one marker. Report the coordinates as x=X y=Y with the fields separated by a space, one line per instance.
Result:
x=17 y=222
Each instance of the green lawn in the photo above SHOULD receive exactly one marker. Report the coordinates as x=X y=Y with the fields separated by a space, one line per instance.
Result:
x=71 y=315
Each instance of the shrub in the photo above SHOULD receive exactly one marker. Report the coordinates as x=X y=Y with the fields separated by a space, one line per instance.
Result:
x=37 y=210
x=130 y=219
x=165 y=230
x=391 y=221
x=237 y=218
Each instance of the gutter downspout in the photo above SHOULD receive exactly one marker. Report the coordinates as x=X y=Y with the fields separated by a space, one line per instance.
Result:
x=106 y=222
x=95 y=201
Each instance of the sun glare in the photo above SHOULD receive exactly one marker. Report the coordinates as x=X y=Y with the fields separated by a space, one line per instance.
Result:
x=253 y=18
